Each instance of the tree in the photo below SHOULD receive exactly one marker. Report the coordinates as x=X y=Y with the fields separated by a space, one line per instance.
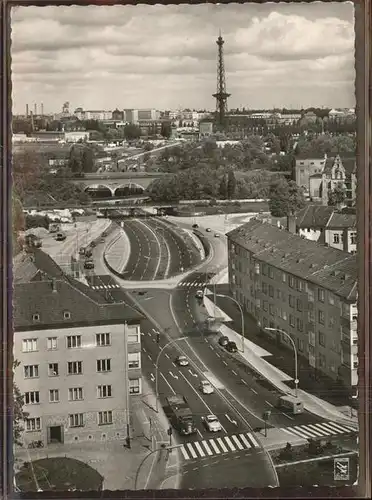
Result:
x=337 y=196
x=74 y=160
x=87 y=160
x=166 y=129
x=223 y=187
x=18 y=222
x=18 y=414
x=132 y=132
x=231 y=184
x=285 y=198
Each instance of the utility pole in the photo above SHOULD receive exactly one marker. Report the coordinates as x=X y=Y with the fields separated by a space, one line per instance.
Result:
x=221 y=95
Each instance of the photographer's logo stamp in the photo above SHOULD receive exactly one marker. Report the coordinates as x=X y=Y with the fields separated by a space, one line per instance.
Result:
x=341 y=469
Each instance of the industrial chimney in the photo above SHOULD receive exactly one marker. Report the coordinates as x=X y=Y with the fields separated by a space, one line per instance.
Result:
x=35 y=109
x=42 y=109
x=26 y=110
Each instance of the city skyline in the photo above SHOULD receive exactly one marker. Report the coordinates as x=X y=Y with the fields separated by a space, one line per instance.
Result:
x=161 y=57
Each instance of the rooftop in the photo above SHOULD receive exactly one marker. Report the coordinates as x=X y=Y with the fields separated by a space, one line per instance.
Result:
x=349 y=164
x=311 y=261
x=313 y=216
x=344 y=220
x=312 y=155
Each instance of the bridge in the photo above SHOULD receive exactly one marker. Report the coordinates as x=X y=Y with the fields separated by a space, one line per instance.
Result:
x=117 y=184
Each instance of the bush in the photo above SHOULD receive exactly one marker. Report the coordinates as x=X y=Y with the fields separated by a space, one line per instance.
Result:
x=33 y=221
x=286 y=453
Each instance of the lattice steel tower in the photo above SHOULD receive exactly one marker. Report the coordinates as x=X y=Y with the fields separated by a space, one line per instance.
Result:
x=221 y=95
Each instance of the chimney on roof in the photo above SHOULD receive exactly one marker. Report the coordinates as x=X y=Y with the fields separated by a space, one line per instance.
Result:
x=54 y=285
x=291 y=223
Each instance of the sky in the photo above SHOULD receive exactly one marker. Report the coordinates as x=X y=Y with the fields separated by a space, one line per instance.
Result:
x=165 y=57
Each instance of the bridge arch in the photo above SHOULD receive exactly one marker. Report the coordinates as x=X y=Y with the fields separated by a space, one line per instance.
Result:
x=129 y=189
x=99 y=191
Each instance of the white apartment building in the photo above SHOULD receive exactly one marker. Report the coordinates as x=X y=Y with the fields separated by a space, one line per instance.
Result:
x=302 y=287
x=80 y=361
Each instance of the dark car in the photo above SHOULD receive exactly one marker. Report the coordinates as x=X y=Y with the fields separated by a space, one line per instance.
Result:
x=223 y=340
x=60 y=236
x=88 y=253
x=88 y=264
x=93 y=244
x=231 y=347
x=208 y=229
x=195 y=226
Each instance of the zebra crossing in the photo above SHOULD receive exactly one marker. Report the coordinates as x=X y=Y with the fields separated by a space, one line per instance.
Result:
x=319 y=430
x=190 y=284
x=104 y=287
x=219 y=446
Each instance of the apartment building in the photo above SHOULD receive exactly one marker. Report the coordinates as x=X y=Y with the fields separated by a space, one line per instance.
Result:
x=80 y=360
x=302 y=287
x=308 y=165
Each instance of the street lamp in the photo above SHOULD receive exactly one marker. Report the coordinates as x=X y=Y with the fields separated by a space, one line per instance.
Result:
x=162 y=448
x=241 y=314
x=157 y=369
x=296 y=381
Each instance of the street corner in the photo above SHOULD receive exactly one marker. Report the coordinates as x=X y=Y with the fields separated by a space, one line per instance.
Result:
x=274 y=438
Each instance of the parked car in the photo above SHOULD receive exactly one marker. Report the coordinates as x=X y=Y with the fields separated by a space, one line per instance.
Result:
x=223 y=340
x=231 y=347
x=208 y=229
x=212 y=423
x=88 y=264
x=199 y=294
x=60 y=237
x=93 y=244
x=206 y=387
x=216 y=235
x=195 y=226
x=182 y=361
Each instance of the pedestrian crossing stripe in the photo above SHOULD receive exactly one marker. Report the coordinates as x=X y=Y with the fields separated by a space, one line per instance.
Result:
x=216 y=446
x=104 y=287
x=319 y=430
x=191 y=284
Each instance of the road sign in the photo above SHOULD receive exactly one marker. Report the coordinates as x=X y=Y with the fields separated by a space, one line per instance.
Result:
x=266 y=415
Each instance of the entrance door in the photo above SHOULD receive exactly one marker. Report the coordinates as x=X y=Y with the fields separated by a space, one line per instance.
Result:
x=56 y=434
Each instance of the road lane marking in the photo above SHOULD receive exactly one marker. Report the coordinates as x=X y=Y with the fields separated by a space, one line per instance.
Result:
x=339 y=426
x=200 y=434
x=174 y=364
x=152 y=377
x=218 y=354
x=234 y=372
x=224 y=362
x=193 y=454
x=238 y=443
x=330 y=428
x=214 y=446
x=167 y=356
x=253 y=390
x=209 y=451
x=171 y=388
x=269 y=403
x=184 y=453
x=148 y=355
x=230 y=419
x=199 y=448
x=245 y=441
x=302 y=433
x=253 y=439
x=231 y=446
x=305 y=428
x=321 y=432
x=222 y=444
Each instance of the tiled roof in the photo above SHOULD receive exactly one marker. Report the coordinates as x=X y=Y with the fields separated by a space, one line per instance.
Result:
x=32 y=265
x=327 y=267
x=313 y=216
x=313 y=155
x=349 y=165
x=84 y=305
x=342 y=221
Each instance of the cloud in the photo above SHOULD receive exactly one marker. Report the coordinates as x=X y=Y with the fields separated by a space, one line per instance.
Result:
x=94 y=55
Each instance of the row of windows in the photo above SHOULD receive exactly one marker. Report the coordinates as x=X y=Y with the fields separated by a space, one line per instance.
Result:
x=277 y=311
x=75 y=341
x=76 y=367
x=74 y=420
x=74 y=394
x=339 y=238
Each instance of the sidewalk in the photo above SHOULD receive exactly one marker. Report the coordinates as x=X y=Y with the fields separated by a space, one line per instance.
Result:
x=116 y=463
x=253 y=354
x=117 y=251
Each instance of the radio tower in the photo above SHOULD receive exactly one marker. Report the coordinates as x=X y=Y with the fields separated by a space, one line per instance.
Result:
x=221 y=95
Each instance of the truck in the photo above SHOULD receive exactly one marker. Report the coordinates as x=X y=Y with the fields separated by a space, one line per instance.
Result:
x=181 y=416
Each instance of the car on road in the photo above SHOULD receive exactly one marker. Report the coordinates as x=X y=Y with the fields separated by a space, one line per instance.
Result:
x=206 y=387
x=223 y=340
x=88 y=264
x=195 y=226
x=208 y=229
x=182 y=361
x=93 y=244
x=199 y=294
x=212 y=423
x=231 y=347
x=60 y=237
x=216 y=235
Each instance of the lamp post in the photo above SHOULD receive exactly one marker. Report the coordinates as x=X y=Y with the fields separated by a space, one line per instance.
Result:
x=157 y=369
x=241 y=314
x=296 y=381
x=213 y=270
x=162 y=448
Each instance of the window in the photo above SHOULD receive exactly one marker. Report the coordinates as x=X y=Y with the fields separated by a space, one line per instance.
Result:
x=272 y=310
x=299 y=285
x=75 y=394
x=104 y=417
x=257 y=268
x=73 y=341
x=264 y=288
x=53 y=370
x=103 y=365
x=321 y=317
x=299 y=305
x=133 y=334
x=29 y=345
x=321 y=295
x=331 y=321
x=291 y=300
x=36 y=317
x=322 y=340
x=310 y=316
x=32 y=398
x=336 y=238
x=104 y=391
x=265 y=323
x=283 y=297
x=103 y=339
x=300 y=344
x=31 y=371
x=66 y=315
x=75 y=367
x=264 y=269
x=271 y=291
x=278 y=294
x=284 y=277
x=52 y=343
x=271 y=272
x=134 y=386
x=33 y=424
x=265 y=305
x=310 y=295
x=53 y=396
x=291 y=281
x=134 y=359
x=76 y=420
x=300 y=325
x=322 y=361
x=292 y=320
x=284 y=315
x=353 y=238
x=331 y=299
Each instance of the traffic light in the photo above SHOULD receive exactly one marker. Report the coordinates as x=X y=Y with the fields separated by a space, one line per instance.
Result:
x=158 y=337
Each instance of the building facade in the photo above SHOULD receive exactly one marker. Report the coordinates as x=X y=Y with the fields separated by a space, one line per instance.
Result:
x=80 y=362
x=306 y=167
x=301 y=287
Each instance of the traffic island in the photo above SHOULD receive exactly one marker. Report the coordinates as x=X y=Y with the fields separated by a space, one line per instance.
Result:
x=58 y=474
